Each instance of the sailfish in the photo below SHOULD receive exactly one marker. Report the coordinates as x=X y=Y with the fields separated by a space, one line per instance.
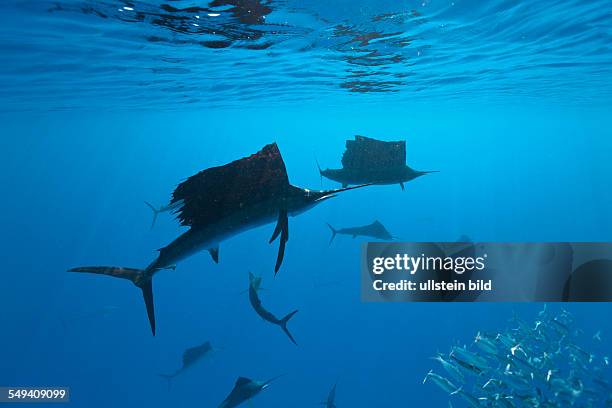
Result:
x=368 y=160
x=219 y=203
x=190 y=357
x=244 y=390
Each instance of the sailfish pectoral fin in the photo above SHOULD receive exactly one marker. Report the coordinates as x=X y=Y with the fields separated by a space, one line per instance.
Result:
x=282 y=229
x=402 y=186
x=281 y=248
x=278 y=228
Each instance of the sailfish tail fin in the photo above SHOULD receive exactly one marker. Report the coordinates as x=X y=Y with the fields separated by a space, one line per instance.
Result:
x=137 y=276
x=155 y=213
x=147 y=295
x=333 y=231
x=283 y=325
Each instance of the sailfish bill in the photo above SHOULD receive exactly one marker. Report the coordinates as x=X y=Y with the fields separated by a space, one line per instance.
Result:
x=219 y=203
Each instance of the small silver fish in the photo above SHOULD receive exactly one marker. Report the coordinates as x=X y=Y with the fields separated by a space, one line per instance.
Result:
x=441 y=382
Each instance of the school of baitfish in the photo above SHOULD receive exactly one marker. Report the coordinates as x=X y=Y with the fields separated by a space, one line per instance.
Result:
x=538 y=365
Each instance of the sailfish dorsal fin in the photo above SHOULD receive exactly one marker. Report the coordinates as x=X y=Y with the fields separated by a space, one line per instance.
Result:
x=218 y=192
x=365 y=153
x=243 y=381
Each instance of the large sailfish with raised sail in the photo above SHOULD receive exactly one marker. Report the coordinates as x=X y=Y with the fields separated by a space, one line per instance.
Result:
x=220 y=202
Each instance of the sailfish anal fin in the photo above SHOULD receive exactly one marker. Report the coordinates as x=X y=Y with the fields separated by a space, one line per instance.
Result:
x=282 y=229
x=214 y=253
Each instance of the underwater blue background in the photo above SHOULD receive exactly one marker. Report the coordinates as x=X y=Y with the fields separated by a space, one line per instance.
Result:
x=520 y=132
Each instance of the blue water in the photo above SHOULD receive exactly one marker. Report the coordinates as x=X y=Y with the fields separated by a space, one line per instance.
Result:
x=105 y=104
